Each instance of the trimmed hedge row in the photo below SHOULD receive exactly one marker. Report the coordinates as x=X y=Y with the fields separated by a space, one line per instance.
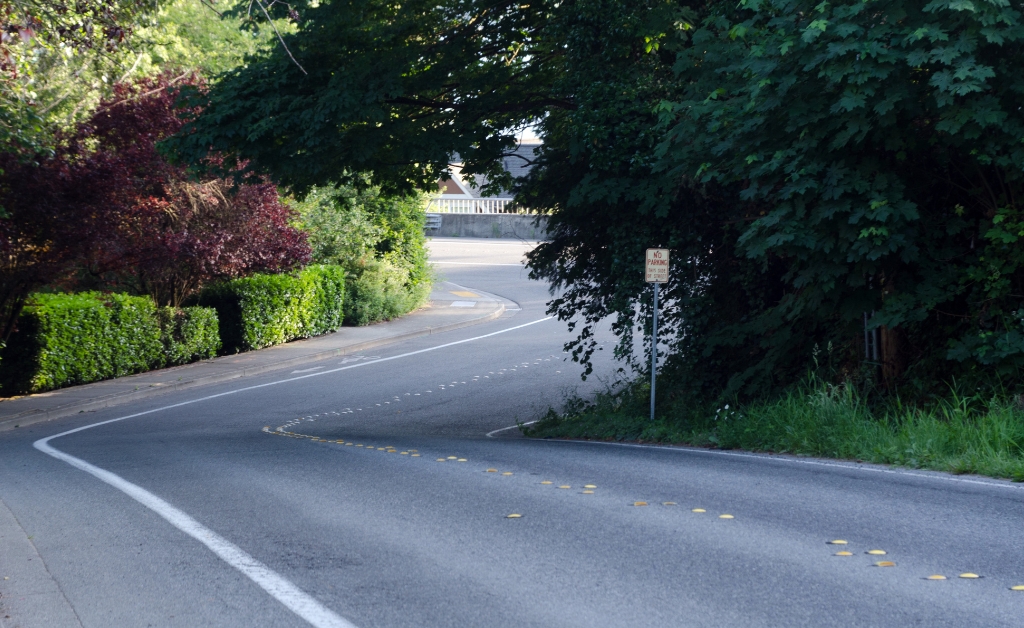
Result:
x=67 y=339
x=265 y=310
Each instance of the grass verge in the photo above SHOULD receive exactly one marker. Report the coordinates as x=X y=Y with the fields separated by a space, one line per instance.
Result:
x=961 y=434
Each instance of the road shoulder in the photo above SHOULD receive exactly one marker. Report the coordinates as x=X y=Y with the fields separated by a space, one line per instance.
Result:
x=27 y=589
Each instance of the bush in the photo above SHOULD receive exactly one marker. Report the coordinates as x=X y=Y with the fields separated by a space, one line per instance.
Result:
x=265 y=310
x=67 y=339
x=188 y=334
x=380 y=291
x=378 y=239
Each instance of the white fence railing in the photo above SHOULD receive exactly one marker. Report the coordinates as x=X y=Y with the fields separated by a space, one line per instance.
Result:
x=473 y=206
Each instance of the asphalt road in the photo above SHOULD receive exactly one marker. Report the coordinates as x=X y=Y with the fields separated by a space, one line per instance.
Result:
x=382 y=501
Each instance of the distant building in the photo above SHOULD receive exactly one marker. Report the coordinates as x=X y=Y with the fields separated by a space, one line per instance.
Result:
x=462 y=194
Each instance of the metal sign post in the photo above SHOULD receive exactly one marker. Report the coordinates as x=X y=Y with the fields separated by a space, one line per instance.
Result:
x=656 y=272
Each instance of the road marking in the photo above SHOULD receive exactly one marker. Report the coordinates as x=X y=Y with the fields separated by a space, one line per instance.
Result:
x=511 y=427
x=267 y=579
x=779 y=459
x=275 y=585
x=463 y=304
x=315 y=368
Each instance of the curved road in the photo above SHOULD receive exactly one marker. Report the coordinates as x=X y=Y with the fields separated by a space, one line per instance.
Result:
x=370 y=494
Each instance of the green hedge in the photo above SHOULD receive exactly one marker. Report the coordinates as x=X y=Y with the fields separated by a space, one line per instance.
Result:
x=188 y=334
x=68 y=339
x=265 y=310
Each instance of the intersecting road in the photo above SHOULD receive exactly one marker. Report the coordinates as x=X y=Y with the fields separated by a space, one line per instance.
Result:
x=377 y=491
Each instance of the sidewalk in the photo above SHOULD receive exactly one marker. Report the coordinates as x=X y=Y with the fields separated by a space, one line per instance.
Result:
x=450 y=307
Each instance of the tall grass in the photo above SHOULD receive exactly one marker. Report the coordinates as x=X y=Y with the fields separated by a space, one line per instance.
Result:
x=960 y=434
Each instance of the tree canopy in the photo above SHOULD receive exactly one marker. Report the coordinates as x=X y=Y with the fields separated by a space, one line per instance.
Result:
x=842 y=174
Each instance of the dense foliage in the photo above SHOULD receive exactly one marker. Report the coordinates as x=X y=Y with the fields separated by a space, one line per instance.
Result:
x=843 y=174
x=174 y=233
x=387 y=89
x=378 y=239
x=264 y=310
x=107 y=210
x=55 y=59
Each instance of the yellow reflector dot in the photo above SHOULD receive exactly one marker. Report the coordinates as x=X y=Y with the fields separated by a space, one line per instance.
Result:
x=876 y=552
x=415 y=455
x=513 y=516
x=546 y=482
x=492 y=470
x=725 y=517
x=453 y=457
x=639 y=503
x=1019 y=587
x=885 y=563
x=588 y=492
x=837 y=542
x=669 y=504
x=844 y=553
x=936 y=577
x=405 y=453
x=565 y=486
x=969 y=575
x=440 y=459
x=507 y=473
x=589 y=486
x=699 y=510
x=461 y=460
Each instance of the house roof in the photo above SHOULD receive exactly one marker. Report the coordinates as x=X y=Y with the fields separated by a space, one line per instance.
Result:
x=518 y=164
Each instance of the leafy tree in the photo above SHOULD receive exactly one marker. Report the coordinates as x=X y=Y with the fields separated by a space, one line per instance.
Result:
x=874 y=148
x=209 y=38
x=392 y=89
x=810 y=164
x=53 y=58
x=175 y=234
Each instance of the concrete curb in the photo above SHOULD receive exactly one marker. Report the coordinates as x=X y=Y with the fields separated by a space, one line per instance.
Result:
x=31 y=417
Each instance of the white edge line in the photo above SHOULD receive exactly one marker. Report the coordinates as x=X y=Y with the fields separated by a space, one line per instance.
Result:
x=511 y=427
x=273 y=583
x=267 y=579
x=768 y=458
